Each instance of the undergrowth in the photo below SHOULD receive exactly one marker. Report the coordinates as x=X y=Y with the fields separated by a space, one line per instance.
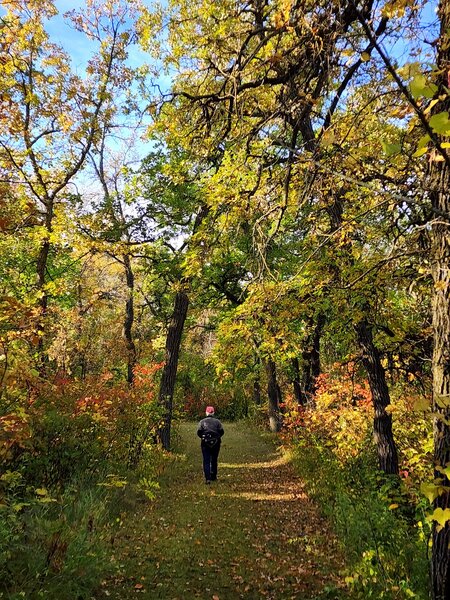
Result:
x=386 y=549
x=75 y=458
x=382 y=522
x=58 y=546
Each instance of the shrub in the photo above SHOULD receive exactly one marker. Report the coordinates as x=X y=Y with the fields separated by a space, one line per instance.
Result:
x=69 y=451
x=378 y=519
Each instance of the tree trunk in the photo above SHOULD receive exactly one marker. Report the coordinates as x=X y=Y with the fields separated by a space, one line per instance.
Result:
x=311 y=357
x=315 y=351
x=41 y=270
x=438 y=181
x=279 y=395
x=257 y=392
x=382 y=423
x=128 y=321
x=298 y=394
x=440 y=562
x=167 y=385
x=273 y=393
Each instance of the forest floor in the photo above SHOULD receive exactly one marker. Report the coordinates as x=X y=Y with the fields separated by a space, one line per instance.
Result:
x=253 y=534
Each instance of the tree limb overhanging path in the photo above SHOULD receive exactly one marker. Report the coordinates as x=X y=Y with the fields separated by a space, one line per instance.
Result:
x=252 y=534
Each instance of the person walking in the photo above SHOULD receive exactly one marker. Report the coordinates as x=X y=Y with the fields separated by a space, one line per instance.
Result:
x=210 y=431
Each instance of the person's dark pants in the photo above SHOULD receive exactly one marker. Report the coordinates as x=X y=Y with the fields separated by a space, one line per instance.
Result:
x=210 y=456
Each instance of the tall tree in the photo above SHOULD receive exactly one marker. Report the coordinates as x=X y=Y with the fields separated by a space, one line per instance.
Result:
x=434 y=119
x=438 y=182
x=50 y=115
x=172 y=353
x=171 y=204
x=265 y=70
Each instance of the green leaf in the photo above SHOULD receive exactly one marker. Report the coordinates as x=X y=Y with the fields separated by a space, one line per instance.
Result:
x=391 y=149
x=423 y=142
x=445 y=471
x=419 y=87
x=431 y=490
x=440 y=123
x=421 y=405
x=441 y=516
x=420 y=152
x=18 y=506
x=273 y=228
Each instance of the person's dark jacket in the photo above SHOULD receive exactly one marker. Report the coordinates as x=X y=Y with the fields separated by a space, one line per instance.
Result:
x=212 y=425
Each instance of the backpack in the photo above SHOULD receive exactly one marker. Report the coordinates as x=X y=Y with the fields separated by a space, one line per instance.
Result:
x=209 y=439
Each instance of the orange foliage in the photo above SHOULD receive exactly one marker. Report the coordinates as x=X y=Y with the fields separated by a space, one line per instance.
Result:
x=113 y=415
x=194 y=404
x=104 y=398
x=341 y=413
x=340 y=387
x=341 y=418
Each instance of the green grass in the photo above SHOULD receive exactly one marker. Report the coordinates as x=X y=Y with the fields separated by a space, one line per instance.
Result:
x=57 y=551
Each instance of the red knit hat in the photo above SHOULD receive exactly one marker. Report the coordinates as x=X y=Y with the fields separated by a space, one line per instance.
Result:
x=210 y=410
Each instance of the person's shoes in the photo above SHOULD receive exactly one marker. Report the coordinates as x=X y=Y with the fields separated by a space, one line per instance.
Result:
x=213 y=478
x=208 y=481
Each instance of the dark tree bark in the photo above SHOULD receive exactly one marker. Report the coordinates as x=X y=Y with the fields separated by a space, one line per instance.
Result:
x=311 y=358
x=129 y=320
x=257 y=392
x=315 y=350
x=438 y=184
x=382 y=423
x=298 y=394
x=438 y=181
x=41 y=269
x=81 y=354
x=273 y=394
x=306 y=373
x=279 y=394
x=173 y=343
x=167 y=385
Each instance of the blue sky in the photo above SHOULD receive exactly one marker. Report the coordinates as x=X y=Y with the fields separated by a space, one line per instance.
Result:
x=80 y=50
x=75 y=43
x=72 y=41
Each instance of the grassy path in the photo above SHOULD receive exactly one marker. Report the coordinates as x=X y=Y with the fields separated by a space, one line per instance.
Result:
x=252 y=534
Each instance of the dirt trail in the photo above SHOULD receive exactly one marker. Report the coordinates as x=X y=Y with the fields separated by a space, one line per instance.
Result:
x=252 y=534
